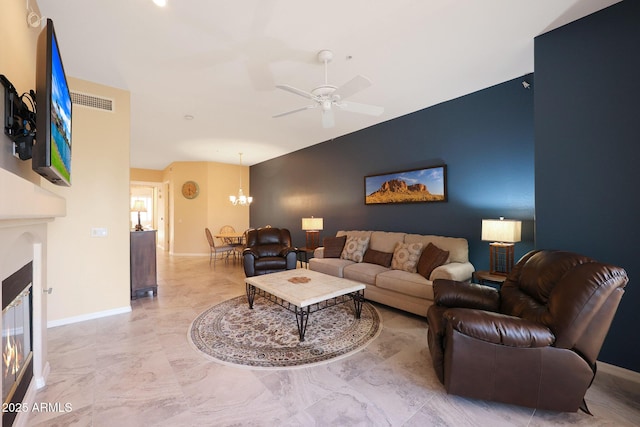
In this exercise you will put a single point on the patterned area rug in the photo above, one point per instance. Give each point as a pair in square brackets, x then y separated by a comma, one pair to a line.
[267, 336]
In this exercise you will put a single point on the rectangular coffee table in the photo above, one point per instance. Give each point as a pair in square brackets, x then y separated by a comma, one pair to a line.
[303, 292]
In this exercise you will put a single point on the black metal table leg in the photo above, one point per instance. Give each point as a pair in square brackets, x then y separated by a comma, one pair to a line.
[251, 293]
[302, 317]
[358, 300]
[303, 313]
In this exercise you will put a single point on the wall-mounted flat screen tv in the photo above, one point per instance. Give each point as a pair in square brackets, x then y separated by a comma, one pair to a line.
[52, 148]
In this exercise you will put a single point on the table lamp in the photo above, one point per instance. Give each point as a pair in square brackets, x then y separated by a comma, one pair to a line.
[312, 226]
[139, 206]
[503, 233]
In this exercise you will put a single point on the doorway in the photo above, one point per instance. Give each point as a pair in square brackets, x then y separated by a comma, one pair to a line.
[153, 196]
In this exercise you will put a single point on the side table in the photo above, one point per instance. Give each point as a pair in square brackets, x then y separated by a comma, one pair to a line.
[484, 277]
[143, 263]
[303, 255]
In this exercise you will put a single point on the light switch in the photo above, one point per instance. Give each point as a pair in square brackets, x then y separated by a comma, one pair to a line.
[98, 232]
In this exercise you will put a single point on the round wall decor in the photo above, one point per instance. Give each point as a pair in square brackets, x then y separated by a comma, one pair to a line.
[190, 189]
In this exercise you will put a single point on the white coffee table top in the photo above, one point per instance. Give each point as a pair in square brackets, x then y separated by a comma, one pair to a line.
[320, 287]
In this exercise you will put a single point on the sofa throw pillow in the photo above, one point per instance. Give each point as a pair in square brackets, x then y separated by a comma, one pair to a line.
[354, 248]
[431, 257]
[406, 256]
[376, 257]
[333, 246]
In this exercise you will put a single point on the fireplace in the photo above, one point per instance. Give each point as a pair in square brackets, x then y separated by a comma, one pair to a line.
[25, 210]
[17, 338]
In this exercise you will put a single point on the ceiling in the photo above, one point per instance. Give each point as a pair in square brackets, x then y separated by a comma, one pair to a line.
[219, 61]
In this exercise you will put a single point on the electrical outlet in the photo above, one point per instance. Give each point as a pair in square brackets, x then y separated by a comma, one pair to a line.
[99, 232]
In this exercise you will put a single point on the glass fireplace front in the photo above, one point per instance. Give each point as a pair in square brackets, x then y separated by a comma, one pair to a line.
[16, 341]
[17, 336]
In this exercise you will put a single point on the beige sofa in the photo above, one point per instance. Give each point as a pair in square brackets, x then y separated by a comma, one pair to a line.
[408, 291]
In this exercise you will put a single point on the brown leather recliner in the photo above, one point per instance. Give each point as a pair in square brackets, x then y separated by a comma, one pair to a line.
[535, 342]
[268, 250]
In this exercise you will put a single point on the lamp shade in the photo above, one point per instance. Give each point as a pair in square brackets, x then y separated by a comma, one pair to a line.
[139, 206]
[501, 230]
[312, 224]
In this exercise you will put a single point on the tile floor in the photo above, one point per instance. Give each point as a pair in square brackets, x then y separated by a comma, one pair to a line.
[138, 369]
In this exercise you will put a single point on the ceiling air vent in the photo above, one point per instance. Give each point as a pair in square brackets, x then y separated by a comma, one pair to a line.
[92, 101]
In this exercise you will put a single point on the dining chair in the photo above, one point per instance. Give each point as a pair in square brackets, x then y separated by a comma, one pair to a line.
[216, 250]
[235, 243]
[227, 229]
[242, 244]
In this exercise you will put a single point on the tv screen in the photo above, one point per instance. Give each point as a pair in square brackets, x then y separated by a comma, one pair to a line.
[52, 148]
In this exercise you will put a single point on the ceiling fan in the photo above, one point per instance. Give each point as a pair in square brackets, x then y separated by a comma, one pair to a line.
[328, 97]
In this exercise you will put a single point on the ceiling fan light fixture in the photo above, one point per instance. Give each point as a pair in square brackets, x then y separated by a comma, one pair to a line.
[326, 96]
[325, 56]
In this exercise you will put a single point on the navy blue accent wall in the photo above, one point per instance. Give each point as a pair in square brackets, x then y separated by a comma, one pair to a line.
[587, 130]
[485, 139]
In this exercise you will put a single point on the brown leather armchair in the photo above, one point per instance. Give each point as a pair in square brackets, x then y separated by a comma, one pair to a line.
[535, 341]
[268, 250]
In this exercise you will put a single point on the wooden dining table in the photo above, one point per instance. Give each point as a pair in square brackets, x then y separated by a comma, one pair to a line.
[234, 240]
[230, 238]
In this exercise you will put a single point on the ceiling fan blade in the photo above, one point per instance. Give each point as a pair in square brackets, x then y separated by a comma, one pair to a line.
[352, 87]
[308, 107]
[356, 107]
[328, 119]
[296, 91]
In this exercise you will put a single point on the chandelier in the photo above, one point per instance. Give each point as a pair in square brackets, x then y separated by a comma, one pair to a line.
[240, 199]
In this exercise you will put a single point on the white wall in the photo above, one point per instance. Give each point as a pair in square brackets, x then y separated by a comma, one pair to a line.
[18, 64]
[189, 217]
[90, 275]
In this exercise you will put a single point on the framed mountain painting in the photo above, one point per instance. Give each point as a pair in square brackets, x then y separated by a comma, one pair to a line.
[411, 186]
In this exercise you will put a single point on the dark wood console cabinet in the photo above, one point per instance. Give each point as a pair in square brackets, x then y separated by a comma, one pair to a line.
[143, 263]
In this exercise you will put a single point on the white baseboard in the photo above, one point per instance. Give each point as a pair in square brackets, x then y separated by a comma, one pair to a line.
[89, 316]
[188, 254]
[627, 374]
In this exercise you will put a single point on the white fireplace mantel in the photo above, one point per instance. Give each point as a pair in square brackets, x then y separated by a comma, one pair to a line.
[22, 200]
[25, 210]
